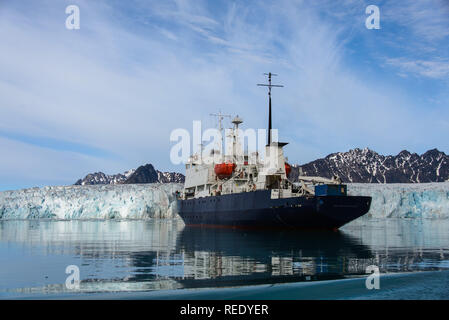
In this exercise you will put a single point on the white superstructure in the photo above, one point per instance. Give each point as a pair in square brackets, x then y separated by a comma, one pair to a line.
[236, 171]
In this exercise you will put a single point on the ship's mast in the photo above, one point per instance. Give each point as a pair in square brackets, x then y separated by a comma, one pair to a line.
[220, 117]
[269, 85]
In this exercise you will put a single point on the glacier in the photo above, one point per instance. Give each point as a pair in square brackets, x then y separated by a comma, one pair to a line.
[405, 200]
[127, 201]
[157, 200]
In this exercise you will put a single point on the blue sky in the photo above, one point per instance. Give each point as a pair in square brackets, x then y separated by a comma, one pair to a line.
[106, 97]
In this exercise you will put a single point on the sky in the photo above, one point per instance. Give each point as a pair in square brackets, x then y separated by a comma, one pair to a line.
[105, 97]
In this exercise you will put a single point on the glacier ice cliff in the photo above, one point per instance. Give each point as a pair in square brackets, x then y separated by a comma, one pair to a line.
[141, 201]
[405, 200]
[132, 201]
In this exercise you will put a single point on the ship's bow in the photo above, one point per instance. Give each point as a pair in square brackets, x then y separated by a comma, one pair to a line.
[339, 211]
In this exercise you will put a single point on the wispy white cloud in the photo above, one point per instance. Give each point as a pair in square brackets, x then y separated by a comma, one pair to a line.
[418, 37]
[432, 69]
[170, 35]
[426, 19]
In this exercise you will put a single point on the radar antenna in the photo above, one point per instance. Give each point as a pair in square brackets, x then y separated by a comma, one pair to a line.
[269, 85]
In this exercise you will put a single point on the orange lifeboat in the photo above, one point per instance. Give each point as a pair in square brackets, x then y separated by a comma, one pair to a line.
[288, 169]
[224, 170]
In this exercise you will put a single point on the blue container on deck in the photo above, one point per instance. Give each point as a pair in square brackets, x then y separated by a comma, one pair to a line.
[330, 190]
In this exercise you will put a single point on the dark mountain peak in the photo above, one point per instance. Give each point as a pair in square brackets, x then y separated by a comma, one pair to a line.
[143, 174]
[433, 152]
[354, 151]
[366, 166]
[356, 155]
[146, 167]
[369, 153]
[358, 151]
[404, 153]
[94, 178]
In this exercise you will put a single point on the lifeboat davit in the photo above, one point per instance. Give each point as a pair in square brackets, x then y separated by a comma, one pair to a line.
[288, 169]
[224, 170]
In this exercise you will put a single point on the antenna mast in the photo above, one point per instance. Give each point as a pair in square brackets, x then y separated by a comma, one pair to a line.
[220, 118]
[269, 85]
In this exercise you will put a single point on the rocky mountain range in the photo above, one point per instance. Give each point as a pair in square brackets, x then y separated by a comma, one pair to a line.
[143, 174]
[367, 166]
[356, 165]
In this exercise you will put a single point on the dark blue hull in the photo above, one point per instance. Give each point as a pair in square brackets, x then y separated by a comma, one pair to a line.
[257, 209]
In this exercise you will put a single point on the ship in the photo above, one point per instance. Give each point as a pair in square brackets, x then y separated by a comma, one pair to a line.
[238, 189]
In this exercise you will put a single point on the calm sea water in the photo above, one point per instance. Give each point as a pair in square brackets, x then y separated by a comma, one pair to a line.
[123, 256]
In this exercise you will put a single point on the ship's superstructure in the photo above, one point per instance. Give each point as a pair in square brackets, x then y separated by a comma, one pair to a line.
[237, 188]
[213, 174]
[236, 171]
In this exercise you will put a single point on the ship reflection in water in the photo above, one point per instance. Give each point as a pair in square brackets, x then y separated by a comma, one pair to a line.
[222, 257]
[155, 255]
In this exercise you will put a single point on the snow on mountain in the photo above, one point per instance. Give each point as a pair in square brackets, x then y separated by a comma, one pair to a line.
[121, 201]
[356, 165]
[143, 174]
[101, 178]
[367, 166]
[167, 177]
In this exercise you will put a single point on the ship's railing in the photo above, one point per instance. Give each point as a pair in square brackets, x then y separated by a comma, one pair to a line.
[318, 180]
